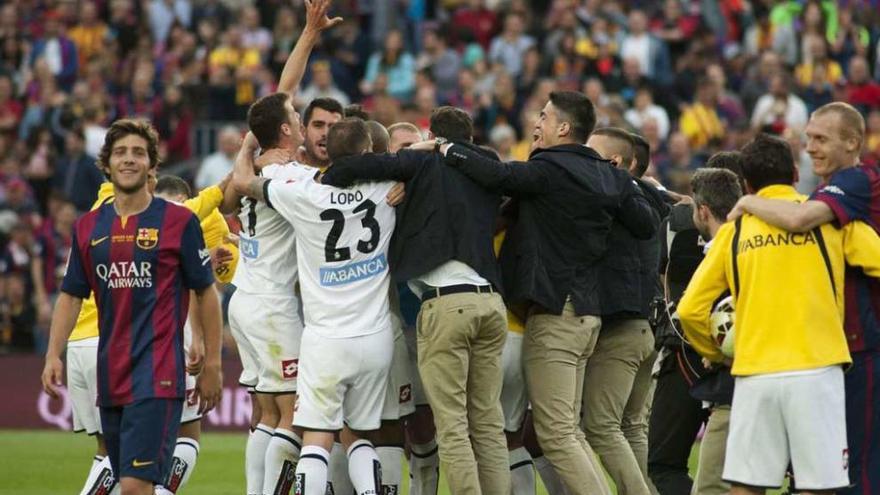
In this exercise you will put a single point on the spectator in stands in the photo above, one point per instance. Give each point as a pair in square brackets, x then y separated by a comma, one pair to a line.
[758, 80]
[165, 13]
[254, 35]
[861, 91]
[321, 86]
[90, 34]
[730, 108]
[234, 65]
[216, 166]
[76, 177]
[650, 51]
[18, 316]
[818, 58]
[678, 164]
[509, 47]
[11, 109]
[396, 64]
[442, 61]
[57, 50]
[645, 109]
[700, 122]
[779, 108]
[478, 20]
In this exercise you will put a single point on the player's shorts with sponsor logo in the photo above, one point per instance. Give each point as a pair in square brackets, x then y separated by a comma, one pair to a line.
[268, 330]
[513, 388]
[140, 437]
[797, 417]
[343, 381]
[82, 384]
[399, 401]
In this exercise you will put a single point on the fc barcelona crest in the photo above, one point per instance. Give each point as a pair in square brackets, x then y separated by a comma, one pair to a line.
[147, 238]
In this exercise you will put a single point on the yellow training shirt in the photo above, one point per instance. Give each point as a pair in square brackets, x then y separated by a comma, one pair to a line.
[203, 205]
[789, 315]
[513, 323]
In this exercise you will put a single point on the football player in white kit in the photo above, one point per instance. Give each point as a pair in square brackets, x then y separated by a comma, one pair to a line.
[342, 244]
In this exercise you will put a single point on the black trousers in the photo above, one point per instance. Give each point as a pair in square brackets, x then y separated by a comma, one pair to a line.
[675, 420]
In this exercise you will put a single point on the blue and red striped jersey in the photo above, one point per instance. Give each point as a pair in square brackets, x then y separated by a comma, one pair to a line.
[854, 194]
[141, 270]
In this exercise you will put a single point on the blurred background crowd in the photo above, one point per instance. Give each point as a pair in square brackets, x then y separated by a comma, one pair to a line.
[692, 76]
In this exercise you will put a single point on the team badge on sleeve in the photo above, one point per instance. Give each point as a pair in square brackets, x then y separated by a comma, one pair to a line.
[147, 238]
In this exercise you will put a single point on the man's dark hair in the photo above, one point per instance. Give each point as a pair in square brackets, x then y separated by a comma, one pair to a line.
[452, 123]
[348, 137]
[265, 118]
[767, 161]
[642, 151]
[728, 160]
[173, 185]
[379, 135]
[356, 110]
[126, 127]
[326, 104]
[623, 140]
[717, 188]
[576, 109]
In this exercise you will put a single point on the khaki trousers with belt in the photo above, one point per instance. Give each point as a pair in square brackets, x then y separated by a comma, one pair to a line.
[712, 451]
[555, 353]
[460, 340]
[615, 412]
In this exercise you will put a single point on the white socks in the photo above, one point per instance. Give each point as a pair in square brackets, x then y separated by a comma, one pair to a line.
[391, 459]
[364, 468]
[100, 479]
[522, 472]
[186, 452]
[255, 458]
[424, 469]
[281, 456]
[551, 479]
[311, 471]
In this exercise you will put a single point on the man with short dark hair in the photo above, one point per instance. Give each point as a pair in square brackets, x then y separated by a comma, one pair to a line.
[318, 117]
[443, 247]
[617, 378]
[789, 405]
[568, 197]
[76, 175]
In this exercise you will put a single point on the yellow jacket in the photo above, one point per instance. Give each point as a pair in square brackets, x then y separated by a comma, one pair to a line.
[205, 208]
[789, 309]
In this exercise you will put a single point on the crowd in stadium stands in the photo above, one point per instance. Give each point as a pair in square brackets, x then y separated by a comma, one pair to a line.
[693, 77]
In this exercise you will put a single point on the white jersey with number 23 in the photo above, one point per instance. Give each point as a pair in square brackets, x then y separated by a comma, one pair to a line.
[342, 253]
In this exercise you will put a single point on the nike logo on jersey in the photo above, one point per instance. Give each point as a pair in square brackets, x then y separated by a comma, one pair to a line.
[136, 463]
[95, 242]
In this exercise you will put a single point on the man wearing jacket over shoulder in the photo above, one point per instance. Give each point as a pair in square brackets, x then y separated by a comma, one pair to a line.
[568, 197]
[442, 246]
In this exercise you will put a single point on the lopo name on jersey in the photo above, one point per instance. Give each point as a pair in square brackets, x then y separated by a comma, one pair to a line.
[346, 197]
[126, 274]
[353, 272]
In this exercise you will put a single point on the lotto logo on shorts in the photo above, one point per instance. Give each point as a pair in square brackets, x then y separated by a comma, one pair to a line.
[405, 393]
[289, 368]
[191, 397]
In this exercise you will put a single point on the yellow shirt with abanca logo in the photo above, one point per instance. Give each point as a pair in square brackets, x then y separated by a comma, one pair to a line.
[214, 230]
[789, 304]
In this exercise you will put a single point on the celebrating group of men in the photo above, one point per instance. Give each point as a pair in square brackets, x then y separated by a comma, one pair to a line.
[538, 285]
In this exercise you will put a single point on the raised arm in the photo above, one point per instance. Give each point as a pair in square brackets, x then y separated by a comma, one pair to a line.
[401, 166]
[316, 22]
[793, 217]
[511, 178]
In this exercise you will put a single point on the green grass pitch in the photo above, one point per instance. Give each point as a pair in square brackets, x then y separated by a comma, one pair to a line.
[53, 462]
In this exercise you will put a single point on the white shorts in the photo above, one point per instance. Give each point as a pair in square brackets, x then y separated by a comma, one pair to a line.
[82, 385]
[798, 417]
[191, 399]
[410, 336]
[343, 381]
[398, 394]
[268, 330]
[513, 388]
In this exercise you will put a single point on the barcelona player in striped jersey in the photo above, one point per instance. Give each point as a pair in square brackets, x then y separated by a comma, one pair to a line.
[140, 256]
